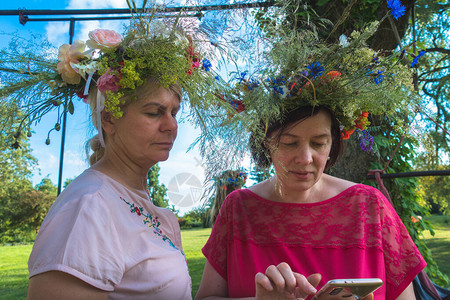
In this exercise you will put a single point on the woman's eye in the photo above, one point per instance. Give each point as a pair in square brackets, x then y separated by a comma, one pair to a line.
[318, 145]
[292, 144]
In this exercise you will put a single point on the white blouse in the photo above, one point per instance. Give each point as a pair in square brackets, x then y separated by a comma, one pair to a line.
[114, 239]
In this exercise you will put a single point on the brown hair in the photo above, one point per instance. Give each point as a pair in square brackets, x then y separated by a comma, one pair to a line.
[145, 90]
[258, 141]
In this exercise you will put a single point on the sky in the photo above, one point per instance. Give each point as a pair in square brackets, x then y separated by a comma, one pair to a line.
[182, 173]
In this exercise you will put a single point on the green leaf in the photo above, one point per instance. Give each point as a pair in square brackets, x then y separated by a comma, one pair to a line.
[322, 2]
[70, 107]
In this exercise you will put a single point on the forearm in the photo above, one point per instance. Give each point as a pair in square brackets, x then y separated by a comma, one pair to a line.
[408, 293]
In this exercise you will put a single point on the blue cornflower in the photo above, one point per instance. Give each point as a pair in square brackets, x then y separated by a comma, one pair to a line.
[279, 80]
[253, 83]
[316, 69]
[379, 78]
[376, 60]
[242, 77]
[206, 64]
[416, 59]
[275, 81]
[396, 7]
[278, 89]
[216, 77]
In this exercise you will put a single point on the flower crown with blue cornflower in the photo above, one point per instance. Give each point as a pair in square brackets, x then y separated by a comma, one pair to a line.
[347, 77]
[233, 178]
[162, 50]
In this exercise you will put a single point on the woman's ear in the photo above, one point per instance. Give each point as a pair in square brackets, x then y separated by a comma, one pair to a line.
[108, 122]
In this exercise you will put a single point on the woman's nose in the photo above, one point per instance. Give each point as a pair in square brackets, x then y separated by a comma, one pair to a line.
[303, 156]
[169, 123]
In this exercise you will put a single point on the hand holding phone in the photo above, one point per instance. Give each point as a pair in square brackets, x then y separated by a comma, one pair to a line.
[348, 289]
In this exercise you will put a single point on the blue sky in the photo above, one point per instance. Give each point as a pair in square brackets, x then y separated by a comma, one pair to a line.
[79, 129]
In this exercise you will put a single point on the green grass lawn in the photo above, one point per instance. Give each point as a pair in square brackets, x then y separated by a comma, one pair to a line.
[14, 271]
[439, 244]
[193, 241]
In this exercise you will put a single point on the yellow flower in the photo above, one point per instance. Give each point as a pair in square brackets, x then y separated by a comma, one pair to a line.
[68, 56]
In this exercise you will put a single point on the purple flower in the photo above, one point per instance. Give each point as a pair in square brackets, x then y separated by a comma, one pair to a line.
[416, 59]
[396, 7]
[366, 141]
[304, 73]
[316, 69]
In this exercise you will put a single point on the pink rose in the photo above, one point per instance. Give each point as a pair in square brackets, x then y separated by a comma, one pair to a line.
[69, 55]
[103, 38]
[108, 82]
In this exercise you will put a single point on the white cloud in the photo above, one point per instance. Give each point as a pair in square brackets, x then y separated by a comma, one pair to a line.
[74, 159]
[58, 32]
[51, 161]
[182, 162]
[91, 4]
[48, 166]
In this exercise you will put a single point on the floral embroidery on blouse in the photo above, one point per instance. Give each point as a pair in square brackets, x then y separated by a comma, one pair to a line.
[151, 222]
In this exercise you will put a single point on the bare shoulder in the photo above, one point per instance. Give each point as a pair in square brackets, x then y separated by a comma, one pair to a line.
[337, 185]
[261, 189]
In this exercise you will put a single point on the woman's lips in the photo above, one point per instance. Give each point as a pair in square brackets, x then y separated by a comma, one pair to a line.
[301, 175]
[167, 145]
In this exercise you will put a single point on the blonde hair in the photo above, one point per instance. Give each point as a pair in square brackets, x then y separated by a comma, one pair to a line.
[144, 91]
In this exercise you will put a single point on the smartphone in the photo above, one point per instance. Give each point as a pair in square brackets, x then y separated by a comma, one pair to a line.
[348, 289]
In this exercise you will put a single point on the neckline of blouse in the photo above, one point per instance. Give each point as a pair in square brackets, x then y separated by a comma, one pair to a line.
[141, 194]
[340, 195]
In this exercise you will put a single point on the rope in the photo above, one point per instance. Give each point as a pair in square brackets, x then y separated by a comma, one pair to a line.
[377, 173]
[381, 186]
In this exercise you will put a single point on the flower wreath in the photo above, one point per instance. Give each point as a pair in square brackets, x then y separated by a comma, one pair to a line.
[114, 64]
[347, 77]
[233, 178]
[122, 65]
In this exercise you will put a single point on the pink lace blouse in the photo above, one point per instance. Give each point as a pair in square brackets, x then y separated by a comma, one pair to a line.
[355, 234]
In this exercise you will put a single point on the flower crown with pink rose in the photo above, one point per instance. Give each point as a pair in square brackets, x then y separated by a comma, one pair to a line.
[118, 66]
[115, 65]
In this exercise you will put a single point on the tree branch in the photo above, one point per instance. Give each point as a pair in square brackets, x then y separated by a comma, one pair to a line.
[438, 49]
